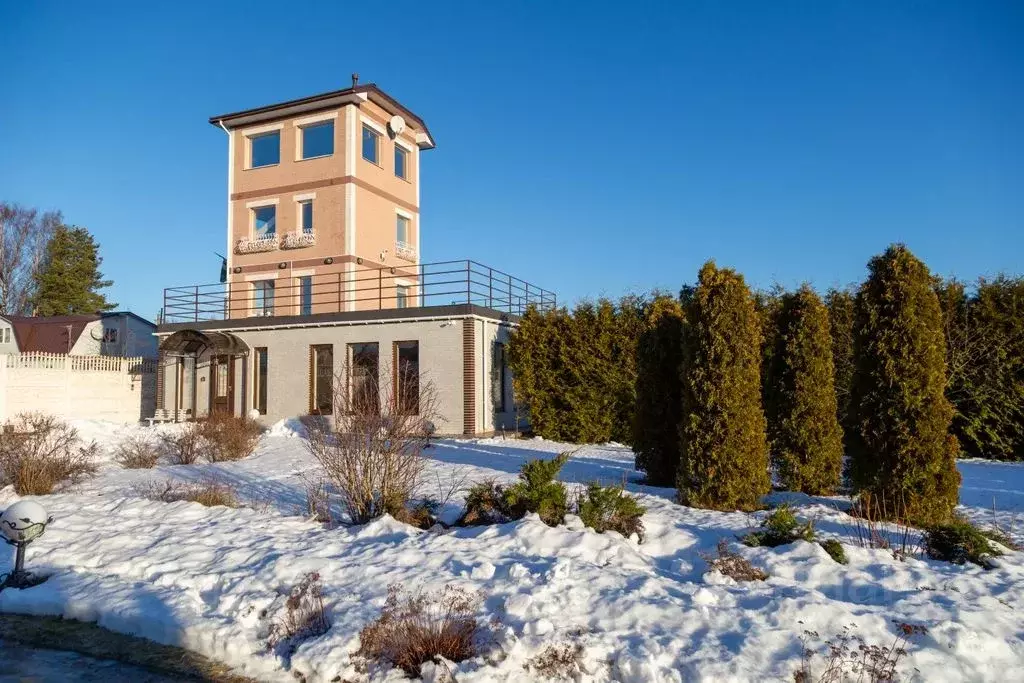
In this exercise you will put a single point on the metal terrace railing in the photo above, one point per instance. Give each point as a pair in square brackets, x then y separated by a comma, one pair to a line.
[364, 289]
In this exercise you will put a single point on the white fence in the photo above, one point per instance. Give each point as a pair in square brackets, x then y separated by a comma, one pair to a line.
[77, 387]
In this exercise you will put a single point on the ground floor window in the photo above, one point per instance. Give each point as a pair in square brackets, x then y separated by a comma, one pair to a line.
[364, 387]
[260, 380]
[499, 373]
[407, 377]
[321, 376]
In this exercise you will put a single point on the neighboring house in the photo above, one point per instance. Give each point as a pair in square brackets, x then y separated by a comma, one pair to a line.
[8, 340]
[102, 334]
[324, 273]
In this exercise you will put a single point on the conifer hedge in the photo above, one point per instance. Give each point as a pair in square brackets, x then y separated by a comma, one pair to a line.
[902, 455]
[800, 398]
[840, 317]
[658, 408]
[724, 449]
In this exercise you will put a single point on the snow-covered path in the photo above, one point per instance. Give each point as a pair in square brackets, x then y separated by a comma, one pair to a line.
[201, 578]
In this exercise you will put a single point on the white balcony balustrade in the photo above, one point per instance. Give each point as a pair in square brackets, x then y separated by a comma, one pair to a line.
[406, 251]
[256, 245]
[298, 240]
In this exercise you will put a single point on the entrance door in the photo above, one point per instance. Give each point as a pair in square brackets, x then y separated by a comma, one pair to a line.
[222, 385]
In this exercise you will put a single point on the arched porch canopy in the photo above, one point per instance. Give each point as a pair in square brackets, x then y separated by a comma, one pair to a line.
[194, 343]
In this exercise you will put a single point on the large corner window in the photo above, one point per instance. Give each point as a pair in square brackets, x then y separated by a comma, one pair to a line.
[321, 379]
[306, 216]
[264, 221]
[407, 377]
[364, 388]
[259, 389]
[263, 297]
[401, 162]
[318, 140]
[306, 295]
[499, 374]
[265, 149]
[371, 144]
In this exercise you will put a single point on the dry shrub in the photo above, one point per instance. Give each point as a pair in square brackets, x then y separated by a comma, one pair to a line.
[38, 452]
[732, 564]
[137, 453]
[557, 661]
[878, 523]
[372, 454]
[318, 500]
[304, 617]
[186, 445]
[229, 438]
[849, 658]
[209, 493]
[414, 628]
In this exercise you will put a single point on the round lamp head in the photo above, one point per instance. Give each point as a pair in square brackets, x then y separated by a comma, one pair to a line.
[23, 521]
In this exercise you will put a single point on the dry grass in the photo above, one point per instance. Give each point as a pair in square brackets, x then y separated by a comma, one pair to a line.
[318, 500]
[137, 453]
[186, 445]
[304, 617]
[209, 493]
[229, 438]
[732, 564]
[849, 658]
[38, 452]
[881, 525]
[557, 661]
[414, 628]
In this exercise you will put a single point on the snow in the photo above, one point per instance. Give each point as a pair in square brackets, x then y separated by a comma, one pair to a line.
[203, 578]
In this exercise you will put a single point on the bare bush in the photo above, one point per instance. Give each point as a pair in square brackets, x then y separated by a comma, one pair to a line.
[878, 523]
[849, 658]
[209, 493]
[228, 437]
[304, 617]
[372, 454]
[137, 453]
[186, 445]
[414, 628]
[732, 564]
[560, 661]
[318, 500]
[38, 452]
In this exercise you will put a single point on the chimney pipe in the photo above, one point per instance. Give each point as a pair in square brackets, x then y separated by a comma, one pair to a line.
[355, 80]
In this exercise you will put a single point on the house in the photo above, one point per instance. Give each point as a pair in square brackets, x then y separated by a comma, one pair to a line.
[122, 333]
[324, 275]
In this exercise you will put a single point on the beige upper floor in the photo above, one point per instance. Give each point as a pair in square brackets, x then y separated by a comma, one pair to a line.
[348, 162]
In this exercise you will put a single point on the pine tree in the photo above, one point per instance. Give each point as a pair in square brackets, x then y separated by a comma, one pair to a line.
[724, 449]
[902, 455]
[658, 408]
[800, 398]
[69, 279]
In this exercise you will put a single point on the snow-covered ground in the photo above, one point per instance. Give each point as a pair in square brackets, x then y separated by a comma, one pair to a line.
[201, 578]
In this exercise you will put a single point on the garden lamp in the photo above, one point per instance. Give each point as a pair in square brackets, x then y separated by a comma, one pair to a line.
[20, 524]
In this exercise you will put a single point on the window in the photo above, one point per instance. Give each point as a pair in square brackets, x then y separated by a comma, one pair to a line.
[402, 230]
[265, 149]
[109, 335]
[371, 141]
[499, 373]
[321, 379]
[364, 390]
[306, 216]
[318, 140]
[402, 296]
[5, 335]
[401, 156]
[263, 297]
[306, 295]
[407, 377]
[264, 221]
[259, 389]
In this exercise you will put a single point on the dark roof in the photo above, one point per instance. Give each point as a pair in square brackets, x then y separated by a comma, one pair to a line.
[312, 103]
[55, 334]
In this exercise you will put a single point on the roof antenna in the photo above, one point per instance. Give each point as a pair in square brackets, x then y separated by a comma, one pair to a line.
[355, 80]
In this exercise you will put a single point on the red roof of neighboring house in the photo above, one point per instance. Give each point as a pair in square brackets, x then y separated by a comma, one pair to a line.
[55, 334]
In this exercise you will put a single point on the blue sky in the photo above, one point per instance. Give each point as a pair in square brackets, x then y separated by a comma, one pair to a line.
[593, 149]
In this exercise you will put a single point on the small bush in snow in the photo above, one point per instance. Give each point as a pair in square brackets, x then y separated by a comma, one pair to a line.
[229, 438]
[560, 662]
[849, 658]
[604, 508]
[304, 617]
[422, 514]
[137, 453]
[958, 542]
[732, 564]
[208, 493]
[38, 452]
[835, 550]
[994, 533]
[414, 628]
[538, 491]
[485, 504]
[186, 445]
[779, 528]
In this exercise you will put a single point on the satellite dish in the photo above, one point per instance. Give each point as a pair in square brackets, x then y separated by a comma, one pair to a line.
[396, 125]
[96, 333]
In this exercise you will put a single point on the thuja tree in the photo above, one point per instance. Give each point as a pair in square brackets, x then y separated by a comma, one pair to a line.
[536, 357]
[840, 317]
[724, 449]
[658, 392]
[800, 398]
[902, 453]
